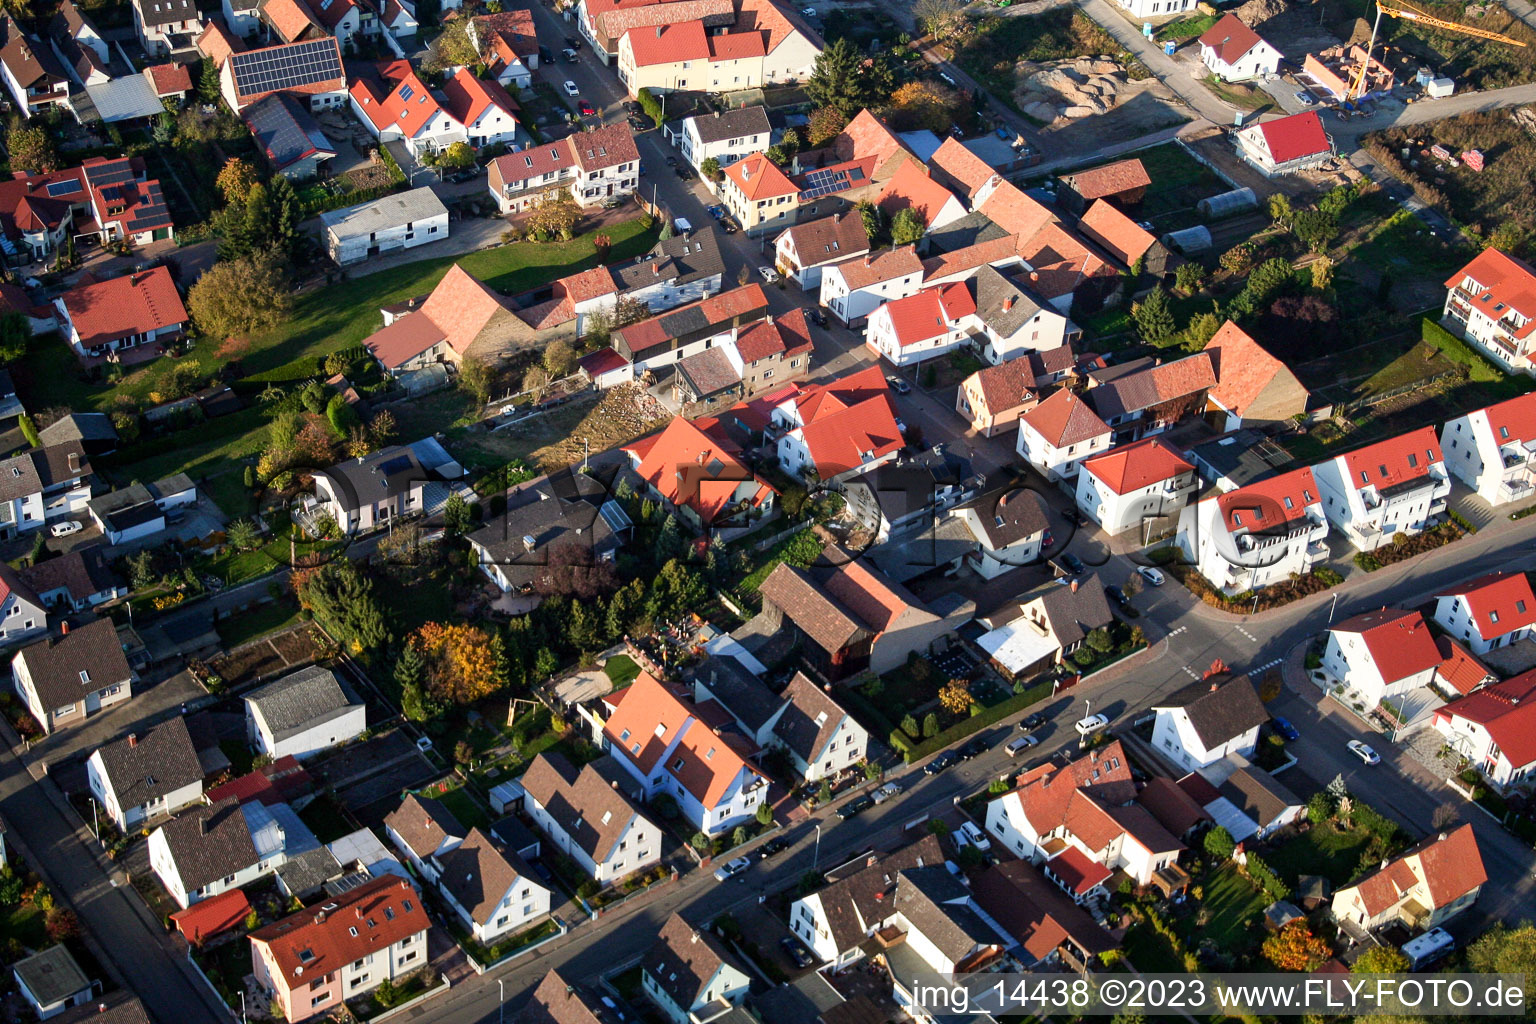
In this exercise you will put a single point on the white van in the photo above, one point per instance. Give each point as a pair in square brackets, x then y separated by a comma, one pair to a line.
[1428, 948]
[1092, 724]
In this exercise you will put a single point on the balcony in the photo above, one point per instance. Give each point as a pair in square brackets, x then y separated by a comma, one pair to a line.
[1317, 549]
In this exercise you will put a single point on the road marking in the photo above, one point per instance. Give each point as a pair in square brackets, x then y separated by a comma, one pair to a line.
[1247, 634]
[1266, 666]
[1190, 672]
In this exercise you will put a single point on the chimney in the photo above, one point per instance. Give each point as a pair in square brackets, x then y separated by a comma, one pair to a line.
[63, 628]
[1007, 303]
[1215, 687]
[320, 917]
[837, 217]
[868, 258]
[1074, 586]
[1034, 275]
[658, 31]
[133, 739]
[202, 825]
[717, 113]
[74, 462]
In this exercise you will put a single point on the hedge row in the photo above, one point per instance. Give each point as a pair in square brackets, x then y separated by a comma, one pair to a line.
[965, 727]
[1265, 878]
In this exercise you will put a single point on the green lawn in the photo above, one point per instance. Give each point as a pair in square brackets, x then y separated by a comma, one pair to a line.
[800, 551]
[621, 670]
[286, 544]
[1186, 28]
[467, 807]
[1246, 97]
[1419, 363]
[269, 618]
[1324, 850]
[1234, 903]
[1151, 952]
[24, 923]
[229, 492]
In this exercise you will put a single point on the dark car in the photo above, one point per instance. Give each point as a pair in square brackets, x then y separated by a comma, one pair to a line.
[574, 42]
[1074, 564]
[729, 226]
[899, 385]
[778, 844]
[1116, 595]
[853, 808]
[975, 748]
[1284, 727]
[462, 176]
[683, 173]
[945, 760]
[796, 951]
[639, 124]
[818, 317]
[546, 55]
[1032, 722]
[1072, 515]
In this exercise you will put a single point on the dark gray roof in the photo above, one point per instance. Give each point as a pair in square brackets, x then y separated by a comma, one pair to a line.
[1147, 386]
[564, 508]
[1010, 516]
[301, 700]
[79, 426]
[855, 901]
[1258, 794]
[731, 124]
[116, 1008]
[385, 474]
[749, 700]
[285, 130]
[1074, 609]
[52, 975]
[908, 485]
[683, 959]
[935, 903]
[592, 813]
[1220, 708]
[81, 572]
[309, 871]
[165, 12]
[809, 720]
[143, 767]
[1003, 303]
[209, 843]
[478, 872]
[975, 227]
[709, 371]
[56, 664]
[19, 477]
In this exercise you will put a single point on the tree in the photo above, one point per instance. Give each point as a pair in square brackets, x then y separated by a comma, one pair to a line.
[559, 358]
[1219, 844]
[452, 48]
[455, 514]
[248, 295]
[1280, 209]
[1188, 277]
[61, 924]
[941, 19]
[571, 570]
[1381, 960]
[874, 222]
[554, 213]
[699, 841]
[1505, 950]
[208, 81]
[163, 133]
[1322, 273]
[1314, 229]
[476, 378]
[243, 534]
[825, 125]
[776, 156]
[824, 792]
[459, 661]
[925, 104]
[1202, 327]
[930, 725]
[710, 168]
[1238, 259]
[535, 380]
[1319, 807]
[236, 180]
[764, 814]
[31, 148]
[1154, 320]
[342, 601]
[907, 227]
[955, 697]
[456, 157]
[29, 430]
[284, 214]
[739, 836]
[15, 333]
[1295, 948]
[909, 725]
[848, 81]
[382, 427]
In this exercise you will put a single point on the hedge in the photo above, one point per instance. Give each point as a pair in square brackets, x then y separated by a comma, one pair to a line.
[988, 716]
[1265, 878]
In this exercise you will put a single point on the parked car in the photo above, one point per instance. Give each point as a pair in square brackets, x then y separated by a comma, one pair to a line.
[899, 385]
[769, 274]
[683, 173]
[1116, 595]
[1074, 564]
[1284, 727]
[65, 528]
[731, 868]
[796, 951]
[1304, 98]
[613, 202]
[1364, 752]
[1151, 575]
[570, 88]
[855, 807]
[885, 792]
[587, 109]
[975, 836]
[1017, 746]
[944, 761]
[809, 12]
[778, 844]
[729, 226]
[717, 211]
[1032, 722]
[574, 42]
[975, 748]
[546, 55]
[818, 316]
[570, 57]
[1092, 724]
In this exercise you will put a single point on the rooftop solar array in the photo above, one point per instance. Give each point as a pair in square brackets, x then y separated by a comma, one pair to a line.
[284, 127]
[821, 183]
[63, 188]
[286, 67]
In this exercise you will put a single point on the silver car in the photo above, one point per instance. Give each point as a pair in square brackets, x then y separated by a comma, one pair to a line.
[731, 868]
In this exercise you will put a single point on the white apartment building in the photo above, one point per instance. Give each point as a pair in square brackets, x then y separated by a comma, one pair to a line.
[1491, 302]
[1394, 486]
[1493, 450]
[1257, 535]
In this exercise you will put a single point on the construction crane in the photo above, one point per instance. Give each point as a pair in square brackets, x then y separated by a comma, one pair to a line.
[1407, 13]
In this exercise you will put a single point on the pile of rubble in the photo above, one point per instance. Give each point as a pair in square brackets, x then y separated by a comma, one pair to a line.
[1256, 12]
[1081, 87]
[1525, 117]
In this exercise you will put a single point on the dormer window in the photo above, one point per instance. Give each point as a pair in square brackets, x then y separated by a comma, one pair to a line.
[1504, 433]
[85, 677]
[677, 765]
[1413, 460]
[1289, 504]
[624, 736]
[661, 729]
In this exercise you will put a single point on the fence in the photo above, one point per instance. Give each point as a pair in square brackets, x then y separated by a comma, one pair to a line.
[768, 542]
[560, 929]
[596, 912]
[439, 989]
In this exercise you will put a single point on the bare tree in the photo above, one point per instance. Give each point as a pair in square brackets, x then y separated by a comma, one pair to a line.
[942, 19]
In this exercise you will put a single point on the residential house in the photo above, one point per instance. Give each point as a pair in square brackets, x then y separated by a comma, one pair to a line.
[1041, 627]
[1133, 486]
[1491, 303]
[1459, 673]
[1258, 535]
[558, 1001]
[913, 188]
[702, 46]
[1012, 322]
[1059, 433]
[79, 45]
[853, 617]
[1250, 803]
[1494, 728]
[585, 815]
[922, 326]
[366, 493]
[1210, 718]
[314, 960]
[1236, 53]
[509, 39]
[76, 581]
[1011, 530]
[242, 16]
[208, 850]
[833, 430]
[1048, 927]
[668, 745]
[460, 312]
[311, 70]
[604, 22]
[33, 76]
[302, 714]
[1143, 9]
[854, 288]
[995, 397]
[491, 889]
[568, 512]
[1490, 449]
[1123, 183]
[138, 778]
[1381, 654]
[421, 828]
[689, 975]
[396, 105]
[23, 613]
[170, 81]
[1088, 806]
[64, 678]
[100, 199]
[166, 26]
[762, 356]
[699, 477]
[591, 166]
[940, 929]
[1283, 145]
[51, 982]
[483, 106]
[288, 135]
[1146, 396]
[1420, 889]
[116, 1008]
[1127, 241]
[43, 484]
[401, 221]
[1399, 485]
[894, 499]
[1488, 612]
[837, 921]
[138, 510]
[802, 252]
[1253, 388]
[122, 320]
[761, 197]
[687, 330]
[724, 136]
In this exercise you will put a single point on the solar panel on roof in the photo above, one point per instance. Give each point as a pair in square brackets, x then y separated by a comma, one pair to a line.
[395, 465]
[63, 188]
[286, 67]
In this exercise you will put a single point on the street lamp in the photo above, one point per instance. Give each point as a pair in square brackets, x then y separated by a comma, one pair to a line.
[1332, 607]
[816, 856]
[501, 1009]
[242, 1006]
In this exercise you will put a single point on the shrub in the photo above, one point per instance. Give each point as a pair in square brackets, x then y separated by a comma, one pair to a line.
[1219, 843]
[1264, 876]
[930, 725]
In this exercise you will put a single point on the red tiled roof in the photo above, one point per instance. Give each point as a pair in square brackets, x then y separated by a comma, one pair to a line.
[875, 267]
[1243, 368]
[312, 943]
[610, 24]
[767, 17]
[912, 187]
[462, 307]
[1291, 138]
[756, 177]
[1266, 503]
[737, 46]
[1513, 419]
[410, 105]
[1064, 419]
[1061, 260]
[1505, 595]
[1046, 794]
[291, 19]
[847, 418]
[120, 306]
[1460, 670]
[587, 285]
[1016, 213]
[279, 782]
[1125, 240]
[689, 467]
[409, 336]
[1507, 711]
[1077, 871]
[1399, 642]
[873, 598]
[930, 313]
[533, 162]
[217, 44]
[1505, 284]
[667, 44]
[608, 146]
[1450, 866]
[1230, 38]
[966, 169]
[1006, 386]
[1110, 179]
[169, 79]
[1397, 460]
[788, 334]
[997, 250]
[827, 239]
[467, 98]
[645, 724]
[515, 28]
[213, 916]
[867, 136]
[1130, 467]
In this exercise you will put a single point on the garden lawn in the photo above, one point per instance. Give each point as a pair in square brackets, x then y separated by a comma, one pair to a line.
[466, 807]
[1323, 850]
[621, 670]
[1234, 903]
[1151, 952]
[269, 618]
[799, 551]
